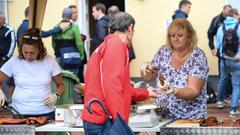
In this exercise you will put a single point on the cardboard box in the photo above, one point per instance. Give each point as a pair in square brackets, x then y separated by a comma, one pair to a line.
[72, 114]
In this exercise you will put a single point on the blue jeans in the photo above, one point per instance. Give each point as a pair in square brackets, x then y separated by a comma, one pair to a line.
[229, 68]
[92, 129]
[96, 129]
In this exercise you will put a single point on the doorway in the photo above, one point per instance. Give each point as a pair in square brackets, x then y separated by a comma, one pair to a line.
[107, 3]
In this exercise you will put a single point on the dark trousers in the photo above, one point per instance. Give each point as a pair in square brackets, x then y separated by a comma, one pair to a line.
[80, 73]
[93, 129]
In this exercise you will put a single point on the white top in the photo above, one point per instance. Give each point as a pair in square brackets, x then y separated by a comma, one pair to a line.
[33, 83]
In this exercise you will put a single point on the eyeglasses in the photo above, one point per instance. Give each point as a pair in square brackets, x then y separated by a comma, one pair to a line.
[31, 37]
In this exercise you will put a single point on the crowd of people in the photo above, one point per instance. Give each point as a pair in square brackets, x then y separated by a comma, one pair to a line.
[180, 62]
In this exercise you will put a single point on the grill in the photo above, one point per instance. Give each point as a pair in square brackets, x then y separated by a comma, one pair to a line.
[17, 130]
[200, 131]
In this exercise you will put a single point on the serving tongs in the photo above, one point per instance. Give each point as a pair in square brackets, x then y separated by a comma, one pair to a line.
[15, 113]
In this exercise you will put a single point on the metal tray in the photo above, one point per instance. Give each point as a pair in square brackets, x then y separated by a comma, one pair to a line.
[17, 130]
[200, 131]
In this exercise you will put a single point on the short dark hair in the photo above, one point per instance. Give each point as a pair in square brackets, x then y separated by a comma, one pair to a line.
[112, 10]
[100, 6]
[120, 21]
[233, 12]
[184, 2]
[72, 6]
[227, 6]
[26, 12]
[32, 37]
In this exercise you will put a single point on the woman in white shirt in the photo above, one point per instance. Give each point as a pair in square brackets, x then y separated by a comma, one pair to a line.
[33, 70]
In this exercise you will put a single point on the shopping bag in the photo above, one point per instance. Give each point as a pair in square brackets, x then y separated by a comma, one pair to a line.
[112, 127]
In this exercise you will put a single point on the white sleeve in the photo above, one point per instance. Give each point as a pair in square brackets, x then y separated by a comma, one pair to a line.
[55, 67]
[7, 68]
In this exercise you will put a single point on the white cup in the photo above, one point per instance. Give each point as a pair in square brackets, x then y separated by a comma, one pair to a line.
[60, 116]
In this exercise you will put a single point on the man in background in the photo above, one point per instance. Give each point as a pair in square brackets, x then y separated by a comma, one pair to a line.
[74, 19]
[101, 28]
[7, 40]
[217, 21]
[112, 10]
[69, 37]
[183, 11]
[78, 97]
[74, 16]
[7, 46]
[229, 61]
[25, 24]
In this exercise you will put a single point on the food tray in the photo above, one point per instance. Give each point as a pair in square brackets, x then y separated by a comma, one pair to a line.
[17, 130]
[200, 131]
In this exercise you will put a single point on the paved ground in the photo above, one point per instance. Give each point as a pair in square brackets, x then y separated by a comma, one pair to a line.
[219, 113]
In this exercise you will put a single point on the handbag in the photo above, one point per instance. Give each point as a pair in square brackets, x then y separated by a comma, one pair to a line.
[70, 57]
[111, 127]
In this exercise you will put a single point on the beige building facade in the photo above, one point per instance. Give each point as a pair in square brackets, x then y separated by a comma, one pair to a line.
[150, 16]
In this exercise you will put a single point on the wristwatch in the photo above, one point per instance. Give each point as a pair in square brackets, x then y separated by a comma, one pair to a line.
[58, 95]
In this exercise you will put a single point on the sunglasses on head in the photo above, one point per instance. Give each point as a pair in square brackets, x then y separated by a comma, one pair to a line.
[30, 37]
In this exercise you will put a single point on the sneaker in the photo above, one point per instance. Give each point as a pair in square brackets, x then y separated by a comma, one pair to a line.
[234, 113]
[220, 104]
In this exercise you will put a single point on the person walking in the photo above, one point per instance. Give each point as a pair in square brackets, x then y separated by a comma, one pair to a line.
[183, 11]
[229, 64]
[216, 22]
[101, 27]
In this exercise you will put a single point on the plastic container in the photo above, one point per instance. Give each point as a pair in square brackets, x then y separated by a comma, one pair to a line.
[70, 80]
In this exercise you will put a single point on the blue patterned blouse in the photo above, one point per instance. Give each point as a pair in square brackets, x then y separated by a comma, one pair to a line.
[196, 65]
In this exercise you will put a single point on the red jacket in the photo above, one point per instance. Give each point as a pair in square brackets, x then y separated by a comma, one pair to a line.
[117, 93]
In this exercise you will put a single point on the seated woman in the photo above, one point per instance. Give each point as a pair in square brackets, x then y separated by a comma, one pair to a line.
[183, 68]
[33, 70]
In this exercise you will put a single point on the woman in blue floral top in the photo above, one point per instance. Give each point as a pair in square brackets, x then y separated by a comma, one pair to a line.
[184, 67]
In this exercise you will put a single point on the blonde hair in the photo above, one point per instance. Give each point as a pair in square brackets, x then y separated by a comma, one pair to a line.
[182, 24]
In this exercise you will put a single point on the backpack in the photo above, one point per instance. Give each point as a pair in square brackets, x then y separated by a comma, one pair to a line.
[230, 41]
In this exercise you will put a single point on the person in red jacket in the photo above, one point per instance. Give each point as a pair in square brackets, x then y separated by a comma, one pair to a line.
[108, 76]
